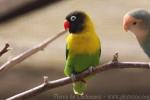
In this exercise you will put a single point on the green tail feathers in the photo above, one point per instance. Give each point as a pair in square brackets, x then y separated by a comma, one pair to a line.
[79, 87]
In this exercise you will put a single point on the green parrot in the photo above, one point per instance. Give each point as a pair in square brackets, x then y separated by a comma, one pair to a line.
[138, 22]
[83, 48]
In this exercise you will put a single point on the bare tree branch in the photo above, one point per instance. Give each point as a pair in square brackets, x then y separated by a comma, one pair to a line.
[4, 50]
[48, 85]
[10, 63]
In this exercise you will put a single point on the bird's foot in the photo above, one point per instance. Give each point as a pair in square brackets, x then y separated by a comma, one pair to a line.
[73, 77]
[91, 69]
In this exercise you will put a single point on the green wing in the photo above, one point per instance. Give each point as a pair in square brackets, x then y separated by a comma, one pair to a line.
[68, 70]
[67, 51]
[99, 52]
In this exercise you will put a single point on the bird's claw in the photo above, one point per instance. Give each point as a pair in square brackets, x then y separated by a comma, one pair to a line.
[91, 69]
[73, 77]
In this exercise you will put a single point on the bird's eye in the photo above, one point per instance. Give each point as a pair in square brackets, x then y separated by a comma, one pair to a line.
[134, 23]
[73, 18]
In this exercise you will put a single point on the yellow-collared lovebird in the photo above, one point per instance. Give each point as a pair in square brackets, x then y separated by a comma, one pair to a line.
[138, 22]
[83, 47]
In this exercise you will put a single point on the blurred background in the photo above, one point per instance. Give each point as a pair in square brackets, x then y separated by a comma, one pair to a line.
[25, 23]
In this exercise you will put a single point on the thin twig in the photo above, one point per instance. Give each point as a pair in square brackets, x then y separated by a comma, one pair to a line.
[10, 63]
[45, 79]
[66, 80]
[4, 50]
[115, 57]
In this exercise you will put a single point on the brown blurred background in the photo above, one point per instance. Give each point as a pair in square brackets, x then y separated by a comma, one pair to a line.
[25, 23]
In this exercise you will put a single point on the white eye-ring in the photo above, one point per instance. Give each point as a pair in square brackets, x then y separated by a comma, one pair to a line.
[73, 18]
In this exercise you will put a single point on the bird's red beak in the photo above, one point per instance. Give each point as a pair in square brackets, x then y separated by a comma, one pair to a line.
[127, 21]
[66, 25]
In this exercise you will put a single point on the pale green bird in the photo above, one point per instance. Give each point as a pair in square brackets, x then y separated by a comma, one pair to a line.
[83, 47]
[138, 22]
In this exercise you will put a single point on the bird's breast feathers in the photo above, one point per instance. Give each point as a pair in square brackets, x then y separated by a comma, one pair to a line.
[83, 43]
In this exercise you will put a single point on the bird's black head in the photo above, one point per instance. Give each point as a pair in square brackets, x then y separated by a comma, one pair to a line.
[75, 21]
